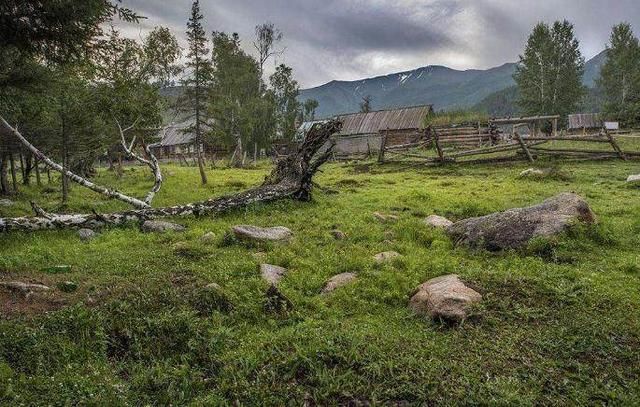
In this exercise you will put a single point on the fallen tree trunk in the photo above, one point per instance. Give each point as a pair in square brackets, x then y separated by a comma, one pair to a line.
[74, 177]
[291, 178]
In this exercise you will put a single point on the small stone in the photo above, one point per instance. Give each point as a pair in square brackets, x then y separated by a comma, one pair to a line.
[338, 281]
[86, 234]
[444, 297]
[160, 226]
[531, 172]
[634, 178]
[385, 257]
[208, 237]
[338, 234]
[258, 234]
[438, 222]
[272, 274]
[67, 286]
[6, 202]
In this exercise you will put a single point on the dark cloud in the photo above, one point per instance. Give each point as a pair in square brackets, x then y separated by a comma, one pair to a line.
[350, 39]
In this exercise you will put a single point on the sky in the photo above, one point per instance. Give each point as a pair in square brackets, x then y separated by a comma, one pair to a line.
[327, 40]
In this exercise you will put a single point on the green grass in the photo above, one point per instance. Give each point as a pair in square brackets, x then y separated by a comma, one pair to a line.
[559, 324]
[455, 117]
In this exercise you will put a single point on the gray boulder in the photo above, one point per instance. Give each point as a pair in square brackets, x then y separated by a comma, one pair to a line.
[258, 234]
[438, 222]
[86, 234]
[634, 179]
[272, 274]
[513, 228]
[444, 297]
[160, 226]
[338, 281]
[6, 202]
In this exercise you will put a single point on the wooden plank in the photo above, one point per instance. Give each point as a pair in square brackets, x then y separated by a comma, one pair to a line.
[524, 147]
[615, 146]
[383, 145]
[437, 143]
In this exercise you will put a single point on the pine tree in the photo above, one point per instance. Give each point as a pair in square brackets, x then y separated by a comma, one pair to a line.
[197, 85]
[549, 74]
[620, 76]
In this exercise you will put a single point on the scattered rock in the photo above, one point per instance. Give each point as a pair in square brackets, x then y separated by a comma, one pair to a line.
[161, 226]
[272, 274]
[86, 234]
[6, 202]
[532, 172]
[385, 257]
[67, 286]
[438, 222]
[444, 297]
[258, 234]
[338, 281]
[338, 234]
[276, 301]
[515, 227]
[634, 179]
[208, 237]
[23, 288]
[385, 217]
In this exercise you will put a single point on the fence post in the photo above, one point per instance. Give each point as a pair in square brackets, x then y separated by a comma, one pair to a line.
[383, 146]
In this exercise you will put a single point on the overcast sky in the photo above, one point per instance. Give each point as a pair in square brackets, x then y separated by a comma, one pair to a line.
[352, 39]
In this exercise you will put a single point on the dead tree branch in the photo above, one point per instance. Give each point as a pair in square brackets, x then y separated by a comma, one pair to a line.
[4, 126]
[152, 162]
[291, 178]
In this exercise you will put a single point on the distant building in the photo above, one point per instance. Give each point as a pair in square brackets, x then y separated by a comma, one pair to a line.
[177, 141]
[362, 132]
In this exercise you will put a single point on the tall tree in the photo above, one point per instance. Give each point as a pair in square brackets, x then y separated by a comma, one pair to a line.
[549, 74]
[620, 76]
[285, 90]
[198, 83]
[237, 105]
[267, 36]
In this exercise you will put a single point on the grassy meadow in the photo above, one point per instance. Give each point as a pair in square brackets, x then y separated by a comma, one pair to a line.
[559, 323]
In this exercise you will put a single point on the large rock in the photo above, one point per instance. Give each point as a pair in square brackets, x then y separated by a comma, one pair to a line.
[634, 179]
[161, 226]
[272, 274]
[444, 297]
[258, 234]
[6, 202]
[438, 222]
[515, 227]
[338, 281]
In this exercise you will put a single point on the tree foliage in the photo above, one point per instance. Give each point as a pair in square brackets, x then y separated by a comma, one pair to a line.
[286, 91]
[619, 79]
[549, 74]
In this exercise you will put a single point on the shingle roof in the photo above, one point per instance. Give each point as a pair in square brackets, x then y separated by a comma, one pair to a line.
[395, 119]
[175, 134]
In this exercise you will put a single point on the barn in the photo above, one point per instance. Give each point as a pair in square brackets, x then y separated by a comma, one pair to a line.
[362, 132]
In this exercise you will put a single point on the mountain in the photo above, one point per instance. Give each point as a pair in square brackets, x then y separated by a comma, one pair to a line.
[443, 87]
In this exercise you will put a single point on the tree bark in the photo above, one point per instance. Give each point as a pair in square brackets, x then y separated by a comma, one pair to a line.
[4, 126]
[4, 187]
[291, 178]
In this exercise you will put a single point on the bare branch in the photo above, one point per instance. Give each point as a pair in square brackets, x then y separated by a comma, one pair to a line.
[152, 162]
[72, 176]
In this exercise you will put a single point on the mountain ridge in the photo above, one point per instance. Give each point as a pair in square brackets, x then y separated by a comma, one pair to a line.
[443, 87]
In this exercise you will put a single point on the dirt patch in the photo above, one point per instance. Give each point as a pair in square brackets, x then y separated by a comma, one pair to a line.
[16, 303]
